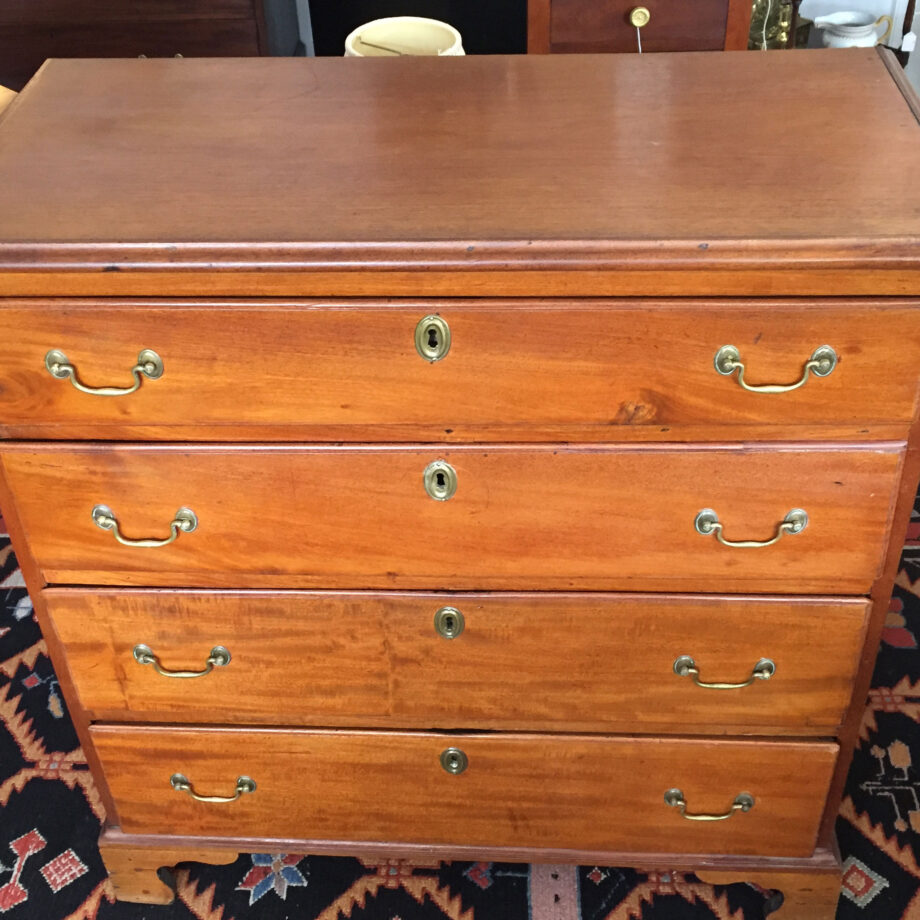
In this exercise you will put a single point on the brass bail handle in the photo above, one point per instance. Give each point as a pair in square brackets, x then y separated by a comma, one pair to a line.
[149, 365]
[821, 363]
[218, 658]
[707, 524]
[744, 801]
[244, 784]
[685, 666]
[184, 521]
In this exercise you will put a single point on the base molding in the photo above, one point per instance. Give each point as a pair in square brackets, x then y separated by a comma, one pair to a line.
[802, 888]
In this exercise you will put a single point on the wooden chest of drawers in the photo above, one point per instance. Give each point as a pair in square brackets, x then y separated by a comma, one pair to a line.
[546, 462]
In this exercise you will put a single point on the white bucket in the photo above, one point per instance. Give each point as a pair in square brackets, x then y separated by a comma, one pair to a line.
[404, 35]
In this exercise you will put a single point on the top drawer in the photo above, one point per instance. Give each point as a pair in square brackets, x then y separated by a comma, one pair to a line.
[514, 371]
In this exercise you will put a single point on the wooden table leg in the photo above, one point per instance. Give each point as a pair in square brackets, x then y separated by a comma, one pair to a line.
[133, 869]
[805, 895]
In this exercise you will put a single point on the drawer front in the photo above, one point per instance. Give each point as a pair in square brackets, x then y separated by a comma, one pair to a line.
[674, 25]
[524, 371]
[567, 792]
[529, 519]
[580, 663]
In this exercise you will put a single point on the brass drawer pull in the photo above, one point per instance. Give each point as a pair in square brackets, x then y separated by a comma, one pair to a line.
[149, 364]
[707, 523]
[822, 361]
[744, 801]
[219, 658]
[685, 666]
[243, 785]
[185, 521]
[454, 761]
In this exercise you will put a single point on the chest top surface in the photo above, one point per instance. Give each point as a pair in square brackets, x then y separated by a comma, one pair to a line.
[536, 161]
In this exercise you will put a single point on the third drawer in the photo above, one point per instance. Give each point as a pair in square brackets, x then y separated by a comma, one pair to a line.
[484, 661]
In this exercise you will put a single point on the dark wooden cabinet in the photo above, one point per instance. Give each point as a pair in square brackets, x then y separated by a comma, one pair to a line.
[33, 30]
[673, 25]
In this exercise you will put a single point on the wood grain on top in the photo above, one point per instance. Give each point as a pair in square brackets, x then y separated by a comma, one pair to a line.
[673, 161]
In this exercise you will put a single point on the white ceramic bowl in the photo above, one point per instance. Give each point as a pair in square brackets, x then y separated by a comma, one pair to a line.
[404, 35]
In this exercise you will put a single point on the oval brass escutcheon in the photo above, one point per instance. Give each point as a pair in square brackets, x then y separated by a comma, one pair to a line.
[440, 480]
[449, 622]
[454, 760]
[432, 337]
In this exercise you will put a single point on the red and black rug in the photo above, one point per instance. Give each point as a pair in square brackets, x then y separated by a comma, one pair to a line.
[50, 813]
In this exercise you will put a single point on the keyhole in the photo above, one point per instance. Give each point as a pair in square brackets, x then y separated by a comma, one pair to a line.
[448, 622]
[439, 479]
[432, 337]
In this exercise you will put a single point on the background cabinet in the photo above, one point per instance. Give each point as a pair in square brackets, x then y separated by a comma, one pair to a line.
[33, 30]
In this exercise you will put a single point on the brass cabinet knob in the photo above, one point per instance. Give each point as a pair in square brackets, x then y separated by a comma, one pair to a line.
[639, 16]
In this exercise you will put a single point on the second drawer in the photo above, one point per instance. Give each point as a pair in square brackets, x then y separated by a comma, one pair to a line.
[794, 519]
[526, 661]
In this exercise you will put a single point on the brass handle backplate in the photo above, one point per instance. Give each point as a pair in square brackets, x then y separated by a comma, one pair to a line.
[822, 361]
[432, 337]
[685, 666]
[440, 480]
[744, 801]
[454, 761]
[219, 658]
[149, 365]
[244, 784]
[708, 524]
[185, 521]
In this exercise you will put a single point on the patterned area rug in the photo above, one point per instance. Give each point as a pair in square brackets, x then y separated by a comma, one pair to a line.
[50, 868]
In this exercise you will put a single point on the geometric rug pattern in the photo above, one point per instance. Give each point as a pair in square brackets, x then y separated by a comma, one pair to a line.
[50, 814]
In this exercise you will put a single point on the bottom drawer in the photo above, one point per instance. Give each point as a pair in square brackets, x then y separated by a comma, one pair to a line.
[517, 790]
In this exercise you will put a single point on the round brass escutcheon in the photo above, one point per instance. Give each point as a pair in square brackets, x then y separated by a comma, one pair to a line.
[639, 16]
[432, 337]
[449, 622]
[454, 760]
[440, 480]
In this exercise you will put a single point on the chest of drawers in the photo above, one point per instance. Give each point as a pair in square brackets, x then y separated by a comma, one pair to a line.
[502, 470]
